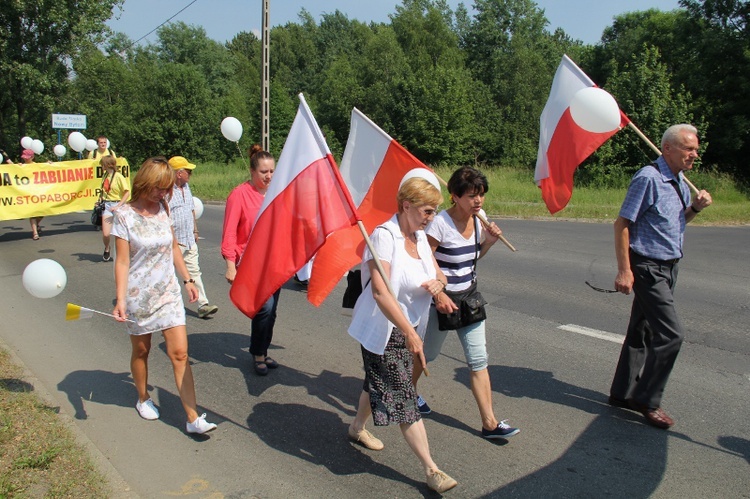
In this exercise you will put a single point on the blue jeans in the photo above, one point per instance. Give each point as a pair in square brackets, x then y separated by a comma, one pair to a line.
[473, 340]
[261, 331]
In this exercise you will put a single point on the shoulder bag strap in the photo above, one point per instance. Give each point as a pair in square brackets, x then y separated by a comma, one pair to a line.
[477, 249]
[676, 188]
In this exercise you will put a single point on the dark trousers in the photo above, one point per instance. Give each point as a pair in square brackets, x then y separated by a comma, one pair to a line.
[261, 331]
[654, 334]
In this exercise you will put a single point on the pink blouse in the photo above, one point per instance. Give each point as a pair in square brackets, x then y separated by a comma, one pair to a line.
[242, 207]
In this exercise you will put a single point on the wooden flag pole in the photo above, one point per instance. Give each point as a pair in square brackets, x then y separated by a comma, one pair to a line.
[381, 270]
[657, 151]
[484, 221]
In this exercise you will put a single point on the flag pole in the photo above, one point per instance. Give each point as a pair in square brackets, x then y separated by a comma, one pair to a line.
[380, 269]
[484, 221]
[657, 151]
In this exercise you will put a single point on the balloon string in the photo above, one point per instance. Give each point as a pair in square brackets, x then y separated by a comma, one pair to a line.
[241, 156]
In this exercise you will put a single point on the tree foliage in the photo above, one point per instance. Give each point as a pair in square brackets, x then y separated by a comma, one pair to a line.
[454, 87]
[38, 39]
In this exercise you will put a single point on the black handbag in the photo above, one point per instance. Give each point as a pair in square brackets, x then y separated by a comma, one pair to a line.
[470, 302]
[96, 214]
[471, 309]
[98, 211]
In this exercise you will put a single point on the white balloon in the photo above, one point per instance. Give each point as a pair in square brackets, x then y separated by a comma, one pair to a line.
[107, 143]
[59, 150]
[44, 278]
[231, 128]
[198, 207]
[595, 110]
[37, 146]
[26, 142]
[77, 141]
[91, 145]
[421, 173]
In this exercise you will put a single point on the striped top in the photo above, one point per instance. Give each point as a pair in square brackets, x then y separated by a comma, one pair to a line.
[455, 254]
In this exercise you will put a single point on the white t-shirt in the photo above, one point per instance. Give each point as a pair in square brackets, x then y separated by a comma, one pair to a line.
[455, 254]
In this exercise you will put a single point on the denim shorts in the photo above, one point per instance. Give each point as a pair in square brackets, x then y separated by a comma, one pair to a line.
[472, 337]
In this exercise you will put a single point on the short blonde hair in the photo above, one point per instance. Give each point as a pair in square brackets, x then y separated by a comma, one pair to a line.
[154, 172]
[419, 192]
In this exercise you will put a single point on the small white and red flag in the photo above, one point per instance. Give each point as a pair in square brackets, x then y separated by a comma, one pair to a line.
[566, 140]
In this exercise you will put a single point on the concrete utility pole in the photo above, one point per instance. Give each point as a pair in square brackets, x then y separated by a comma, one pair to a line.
[264, 79]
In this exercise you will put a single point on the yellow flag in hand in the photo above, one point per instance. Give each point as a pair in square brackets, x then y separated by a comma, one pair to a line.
[75, 312]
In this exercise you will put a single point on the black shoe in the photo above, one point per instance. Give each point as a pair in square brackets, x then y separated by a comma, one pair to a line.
[261, 369]
[424, 409]
[106, 256]
[272, 364]
[617, 402]
[501, 431]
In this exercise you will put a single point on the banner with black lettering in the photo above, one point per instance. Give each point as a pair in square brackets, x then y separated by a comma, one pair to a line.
[41, 189]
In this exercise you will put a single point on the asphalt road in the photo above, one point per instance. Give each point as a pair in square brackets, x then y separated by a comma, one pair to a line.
[553, 345]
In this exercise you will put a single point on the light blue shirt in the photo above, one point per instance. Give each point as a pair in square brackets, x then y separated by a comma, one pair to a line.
[655, 211]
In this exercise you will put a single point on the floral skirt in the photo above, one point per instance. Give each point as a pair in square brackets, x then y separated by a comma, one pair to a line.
[393, 398]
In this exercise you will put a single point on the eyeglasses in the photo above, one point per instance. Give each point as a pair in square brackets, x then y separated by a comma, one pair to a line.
[427, 212]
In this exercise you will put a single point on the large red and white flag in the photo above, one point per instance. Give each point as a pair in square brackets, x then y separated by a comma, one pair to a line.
[563, 143]
[372, 167]
[306, 201]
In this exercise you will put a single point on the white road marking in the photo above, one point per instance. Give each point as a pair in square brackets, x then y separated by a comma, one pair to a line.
[594, 333]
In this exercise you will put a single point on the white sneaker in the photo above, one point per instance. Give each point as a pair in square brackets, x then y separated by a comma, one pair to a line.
[200, 425]
[147, 410]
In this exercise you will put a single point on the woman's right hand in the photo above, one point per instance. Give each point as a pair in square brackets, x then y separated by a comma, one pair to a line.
[121, 315]
[444, 304]
[231, 272]
[415, 345]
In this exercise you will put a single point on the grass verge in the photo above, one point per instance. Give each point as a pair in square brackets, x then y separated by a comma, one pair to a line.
[514, 194]
[39, 456]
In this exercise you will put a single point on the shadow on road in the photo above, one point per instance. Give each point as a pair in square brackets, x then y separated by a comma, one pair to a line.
[230, 350]
[101, 387]
[321, 440]
[617, 455]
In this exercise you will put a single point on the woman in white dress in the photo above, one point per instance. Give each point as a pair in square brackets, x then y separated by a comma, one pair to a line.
[148, 293]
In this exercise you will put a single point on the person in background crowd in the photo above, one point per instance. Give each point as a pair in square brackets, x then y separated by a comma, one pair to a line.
[458, 240]
[115, 192]
[27, 156]
[182, 211]
[649, 233]
[242, 206]
[147, 262]
[389, 327]
[102, 149]
[4, 157]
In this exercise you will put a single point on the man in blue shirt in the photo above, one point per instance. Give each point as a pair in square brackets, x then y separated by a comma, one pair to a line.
[649, 234]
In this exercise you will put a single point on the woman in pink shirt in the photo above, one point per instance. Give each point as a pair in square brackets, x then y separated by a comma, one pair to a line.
[242, 207]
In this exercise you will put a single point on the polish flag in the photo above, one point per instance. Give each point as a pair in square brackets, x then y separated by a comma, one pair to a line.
[563, 143]
[372, 167]
[305, 202]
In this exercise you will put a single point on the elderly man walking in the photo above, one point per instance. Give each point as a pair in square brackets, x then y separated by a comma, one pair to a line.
[182, 211]
[649, 233]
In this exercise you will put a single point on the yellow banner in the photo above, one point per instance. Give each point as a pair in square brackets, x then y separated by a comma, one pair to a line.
[41, 189]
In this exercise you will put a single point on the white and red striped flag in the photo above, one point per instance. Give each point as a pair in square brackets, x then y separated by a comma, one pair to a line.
[563, 144]
[372, 167]
[306, 201]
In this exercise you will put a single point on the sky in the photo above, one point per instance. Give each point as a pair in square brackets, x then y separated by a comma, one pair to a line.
[222, 19]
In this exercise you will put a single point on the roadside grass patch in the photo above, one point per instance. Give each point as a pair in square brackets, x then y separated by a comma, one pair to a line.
[39, 456]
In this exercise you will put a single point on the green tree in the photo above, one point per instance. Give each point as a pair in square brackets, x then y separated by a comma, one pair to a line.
[511, 53]
[644, 92]
[718, 71]
[38, 39]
